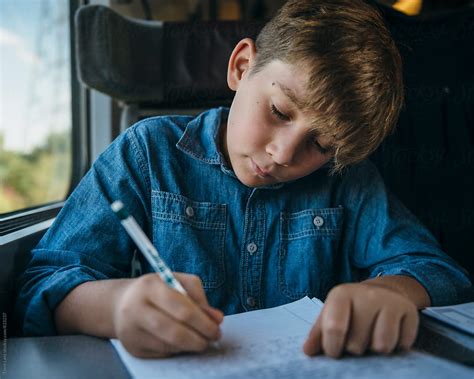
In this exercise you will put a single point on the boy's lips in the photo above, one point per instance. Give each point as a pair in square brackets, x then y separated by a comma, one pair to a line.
[259, 171]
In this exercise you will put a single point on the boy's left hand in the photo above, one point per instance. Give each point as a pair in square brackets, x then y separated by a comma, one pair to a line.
[360, 317]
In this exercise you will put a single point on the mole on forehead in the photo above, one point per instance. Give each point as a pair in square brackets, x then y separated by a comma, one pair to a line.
[290, 94]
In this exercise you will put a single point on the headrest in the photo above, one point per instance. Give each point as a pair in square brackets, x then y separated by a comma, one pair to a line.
[165, 63]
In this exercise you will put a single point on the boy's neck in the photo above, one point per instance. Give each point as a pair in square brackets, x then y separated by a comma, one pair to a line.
[222, 142]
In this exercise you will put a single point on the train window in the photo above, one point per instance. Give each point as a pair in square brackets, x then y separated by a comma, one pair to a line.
[35, 103]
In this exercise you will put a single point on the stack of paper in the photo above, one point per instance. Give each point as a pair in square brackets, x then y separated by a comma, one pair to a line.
[268, 344]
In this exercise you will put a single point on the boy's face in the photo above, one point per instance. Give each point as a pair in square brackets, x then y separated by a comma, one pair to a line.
[268, 138]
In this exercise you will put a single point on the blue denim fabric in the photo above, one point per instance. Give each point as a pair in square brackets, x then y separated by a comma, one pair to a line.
[252, 247]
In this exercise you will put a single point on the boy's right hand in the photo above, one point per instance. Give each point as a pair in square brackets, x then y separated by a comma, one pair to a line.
[153, 320]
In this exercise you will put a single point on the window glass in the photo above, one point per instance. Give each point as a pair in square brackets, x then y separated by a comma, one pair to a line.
[35, 103]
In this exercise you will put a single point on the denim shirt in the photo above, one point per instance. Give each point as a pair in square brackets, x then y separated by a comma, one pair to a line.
[252, 247]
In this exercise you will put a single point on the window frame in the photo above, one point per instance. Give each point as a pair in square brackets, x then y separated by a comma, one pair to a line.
[23, 222]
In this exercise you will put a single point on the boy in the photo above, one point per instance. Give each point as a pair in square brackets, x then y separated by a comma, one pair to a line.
[247, 203]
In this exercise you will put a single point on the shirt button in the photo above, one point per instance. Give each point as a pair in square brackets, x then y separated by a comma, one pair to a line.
[251, 248]
[190, 211]
[251, 302]
[318, 221]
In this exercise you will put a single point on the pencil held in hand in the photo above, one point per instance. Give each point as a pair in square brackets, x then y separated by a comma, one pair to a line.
[145, 246]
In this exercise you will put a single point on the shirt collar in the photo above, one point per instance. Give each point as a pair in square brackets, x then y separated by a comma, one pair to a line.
[200, 140]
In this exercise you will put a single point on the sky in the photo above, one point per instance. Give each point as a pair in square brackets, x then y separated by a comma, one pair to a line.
[34, 71]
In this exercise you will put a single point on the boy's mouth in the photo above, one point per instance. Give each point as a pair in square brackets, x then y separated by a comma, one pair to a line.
[259, 171]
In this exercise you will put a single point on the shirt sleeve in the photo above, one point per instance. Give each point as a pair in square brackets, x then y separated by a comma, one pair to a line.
[86, 241]
[384, 238]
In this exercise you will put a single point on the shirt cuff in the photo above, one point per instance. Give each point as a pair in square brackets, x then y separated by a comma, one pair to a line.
[442, 285]
[39, 309]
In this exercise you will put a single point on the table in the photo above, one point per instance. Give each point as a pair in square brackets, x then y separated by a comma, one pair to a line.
[80, 356]
[61, 357]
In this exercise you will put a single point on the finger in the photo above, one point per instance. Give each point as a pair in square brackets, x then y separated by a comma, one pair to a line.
[213, 313]
[142, 344]
[336, 316]
[386, 331]
[408, 330]
[360, 332]
[193, 286]
[183, 309]
[312, 345]
[364, 314]
[166, 329]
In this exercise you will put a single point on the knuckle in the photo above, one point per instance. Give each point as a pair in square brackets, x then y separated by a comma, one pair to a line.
[372, 294]
[196, 280]
[148, 280]
[334, 328]
[184, 314]
[338, 290]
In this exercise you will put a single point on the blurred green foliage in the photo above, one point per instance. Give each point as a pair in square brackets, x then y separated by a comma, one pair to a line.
[38, 177]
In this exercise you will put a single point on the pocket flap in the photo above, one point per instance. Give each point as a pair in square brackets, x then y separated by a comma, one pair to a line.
[311, 222]
[173, 207]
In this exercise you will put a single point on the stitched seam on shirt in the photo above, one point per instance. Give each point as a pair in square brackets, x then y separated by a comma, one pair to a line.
[179, 218]
[221, 261]
[311, 212]
[140, 156]
[259, 257]
[184, 200]
[326, 233]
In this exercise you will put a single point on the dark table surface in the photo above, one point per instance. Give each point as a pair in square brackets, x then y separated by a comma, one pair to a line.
[61, 357]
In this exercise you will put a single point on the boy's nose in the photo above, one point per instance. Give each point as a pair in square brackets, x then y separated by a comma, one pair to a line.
[283, 150]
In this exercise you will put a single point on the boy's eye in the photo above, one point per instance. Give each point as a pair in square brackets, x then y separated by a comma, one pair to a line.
[319, 147]
[277, 113]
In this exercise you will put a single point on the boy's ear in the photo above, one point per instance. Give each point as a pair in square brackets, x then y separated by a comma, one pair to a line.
[240, 61]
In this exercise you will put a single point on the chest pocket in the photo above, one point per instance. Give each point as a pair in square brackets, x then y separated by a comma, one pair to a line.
[307, 255]
[190, 236]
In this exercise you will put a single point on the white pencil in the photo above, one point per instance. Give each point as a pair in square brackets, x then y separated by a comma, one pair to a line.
[145, 246]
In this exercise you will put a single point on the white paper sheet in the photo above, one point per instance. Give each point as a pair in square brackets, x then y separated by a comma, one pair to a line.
[268, 344]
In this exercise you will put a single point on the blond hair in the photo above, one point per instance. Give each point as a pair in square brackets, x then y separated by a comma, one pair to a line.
[355, 85]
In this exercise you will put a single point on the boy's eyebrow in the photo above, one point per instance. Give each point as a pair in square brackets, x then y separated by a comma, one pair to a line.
[290, 94]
